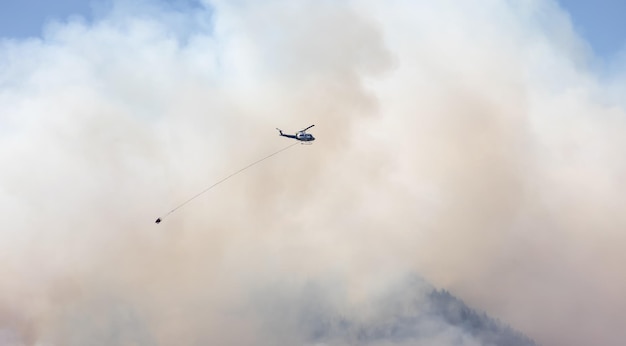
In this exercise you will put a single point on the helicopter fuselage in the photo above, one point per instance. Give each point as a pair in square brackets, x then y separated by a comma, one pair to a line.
[305, 137]
[300, 135]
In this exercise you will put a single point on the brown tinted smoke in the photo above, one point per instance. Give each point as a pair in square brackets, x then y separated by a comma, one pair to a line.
[465, 142]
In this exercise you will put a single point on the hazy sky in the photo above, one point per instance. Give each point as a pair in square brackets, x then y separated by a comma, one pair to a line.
[469, 142]
[600, 22]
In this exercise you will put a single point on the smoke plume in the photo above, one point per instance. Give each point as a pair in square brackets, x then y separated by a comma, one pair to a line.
[470, 142]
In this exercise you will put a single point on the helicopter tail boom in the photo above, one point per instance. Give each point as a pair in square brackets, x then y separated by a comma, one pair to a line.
[284, 135]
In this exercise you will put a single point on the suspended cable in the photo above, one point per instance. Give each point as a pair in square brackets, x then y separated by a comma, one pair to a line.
[158, 220]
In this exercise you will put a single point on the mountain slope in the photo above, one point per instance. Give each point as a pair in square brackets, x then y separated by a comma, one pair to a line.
[410, 313]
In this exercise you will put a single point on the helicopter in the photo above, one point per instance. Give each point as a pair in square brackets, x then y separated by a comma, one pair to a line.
[300, 135]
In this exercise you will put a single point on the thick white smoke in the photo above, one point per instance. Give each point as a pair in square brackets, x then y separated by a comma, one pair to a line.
[466, 141]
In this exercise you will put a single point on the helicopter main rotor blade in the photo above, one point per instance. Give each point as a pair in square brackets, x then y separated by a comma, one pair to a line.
[307, 128]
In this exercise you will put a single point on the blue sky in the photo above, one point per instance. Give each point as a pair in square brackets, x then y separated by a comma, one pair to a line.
[600, 22]
[23, 18]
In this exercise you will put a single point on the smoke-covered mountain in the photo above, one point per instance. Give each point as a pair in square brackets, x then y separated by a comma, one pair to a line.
[316, 312]
[412, 312]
